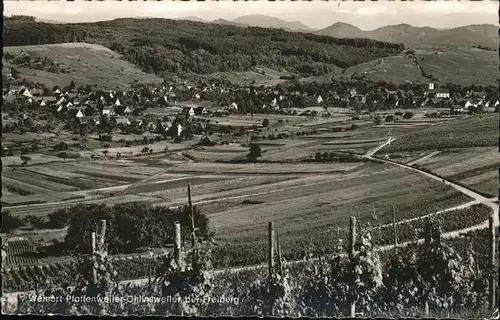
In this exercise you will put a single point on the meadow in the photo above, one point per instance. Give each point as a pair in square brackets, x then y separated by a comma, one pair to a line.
[85, 64]
[460, 65]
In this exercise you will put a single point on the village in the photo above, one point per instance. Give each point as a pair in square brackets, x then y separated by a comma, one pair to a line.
[181, 111]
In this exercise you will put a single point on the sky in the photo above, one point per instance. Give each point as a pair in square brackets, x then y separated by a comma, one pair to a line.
[314, 14]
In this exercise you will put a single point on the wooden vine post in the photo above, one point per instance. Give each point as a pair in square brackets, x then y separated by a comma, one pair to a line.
[177, 246]
[193, 234]
[491, 265]
[271, 258]
[394, 228]
[352, 243]
[94, 270]
[98, 247]
[280, 261]
[102, 236]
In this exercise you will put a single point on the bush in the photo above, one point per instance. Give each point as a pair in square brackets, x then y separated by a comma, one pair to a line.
[105, 137]
[408, 115]
[10, 223]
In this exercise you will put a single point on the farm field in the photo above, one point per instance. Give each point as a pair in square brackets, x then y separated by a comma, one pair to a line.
[319, 206]
[474, 131]
[474, 167]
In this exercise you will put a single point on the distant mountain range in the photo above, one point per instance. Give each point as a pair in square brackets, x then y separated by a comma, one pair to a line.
[49, 21]
[257, 20]
[271, 22]
[485, 35]
[473, 35]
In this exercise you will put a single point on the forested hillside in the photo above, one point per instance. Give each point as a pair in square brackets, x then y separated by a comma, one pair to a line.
[162, 45]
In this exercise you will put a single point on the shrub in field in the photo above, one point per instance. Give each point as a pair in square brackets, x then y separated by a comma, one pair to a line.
[10, 222]
[254, 152]
[132, 225]
[59, 219]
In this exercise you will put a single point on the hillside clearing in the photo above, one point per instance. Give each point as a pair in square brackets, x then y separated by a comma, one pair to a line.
[86, 64]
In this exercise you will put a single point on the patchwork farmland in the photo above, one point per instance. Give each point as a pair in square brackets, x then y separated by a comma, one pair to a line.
[240, 197]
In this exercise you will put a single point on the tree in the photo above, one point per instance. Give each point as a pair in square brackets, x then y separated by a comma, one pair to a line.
[131, 225]
[25, 160]
[34, 145]
[389, 118]
[409, 115]
[377, 120]
[10, 222]
[265, 123]
[63, 154]
[317, 156]
[255, 152]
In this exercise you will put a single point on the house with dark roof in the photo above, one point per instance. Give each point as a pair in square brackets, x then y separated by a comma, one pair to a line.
[188, 111]
[200, 111]
[86, 120]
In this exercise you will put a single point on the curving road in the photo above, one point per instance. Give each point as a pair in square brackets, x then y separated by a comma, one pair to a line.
[478, 198]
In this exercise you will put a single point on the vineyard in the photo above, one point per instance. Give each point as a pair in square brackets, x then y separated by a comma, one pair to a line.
[437, 278]
[20, 252]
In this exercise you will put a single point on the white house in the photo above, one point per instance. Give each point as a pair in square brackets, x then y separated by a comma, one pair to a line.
[26, 93]
[179, 129]
[118, 103]
[42, 103]
[319, 99]
[431, 86]
[79, 114]
[189, 111]
[197, 96]
[233, 107]
[442, 93]
[108, 111]
[274, 103]
[123, 121]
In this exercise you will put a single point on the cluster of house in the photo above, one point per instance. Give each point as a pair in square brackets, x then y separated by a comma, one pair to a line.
[88, 108]
[124, 107]
[432, 97]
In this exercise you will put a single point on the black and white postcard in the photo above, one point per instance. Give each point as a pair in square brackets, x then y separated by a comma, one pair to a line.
[234, 158]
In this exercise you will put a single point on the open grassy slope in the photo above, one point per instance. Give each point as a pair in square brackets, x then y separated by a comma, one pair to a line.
[84, 63]
[463, 66]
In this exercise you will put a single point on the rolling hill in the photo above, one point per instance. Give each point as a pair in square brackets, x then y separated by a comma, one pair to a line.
[85, 64]
[181, 46]
[192, 18]
[228, 23]
[264, 21]
[460, 65]
[473, 35]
